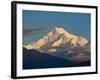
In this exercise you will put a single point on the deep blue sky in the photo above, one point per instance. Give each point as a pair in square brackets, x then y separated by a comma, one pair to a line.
[76, 23]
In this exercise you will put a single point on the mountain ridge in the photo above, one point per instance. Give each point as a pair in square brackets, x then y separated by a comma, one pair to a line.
[33, 59]
[58, 37]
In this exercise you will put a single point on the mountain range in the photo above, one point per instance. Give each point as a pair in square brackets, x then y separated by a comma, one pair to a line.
[58, 48]
[57, 38]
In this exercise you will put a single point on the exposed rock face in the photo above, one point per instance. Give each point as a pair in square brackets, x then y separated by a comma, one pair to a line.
[58, 37]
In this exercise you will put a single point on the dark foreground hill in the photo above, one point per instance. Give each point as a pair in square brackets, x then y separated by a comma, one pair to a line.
[33, 59]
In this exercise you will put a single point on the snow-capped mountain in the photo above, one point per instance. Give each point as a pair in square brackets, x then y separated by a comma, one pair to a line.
[56, 38]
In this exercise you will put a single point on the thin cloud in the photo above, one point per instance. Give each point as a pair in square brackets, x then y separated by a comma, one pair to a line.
[34, 31]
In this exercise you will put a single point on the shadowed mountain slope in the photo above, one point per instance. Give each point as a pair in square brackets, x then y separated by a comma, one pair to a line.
[33, 59]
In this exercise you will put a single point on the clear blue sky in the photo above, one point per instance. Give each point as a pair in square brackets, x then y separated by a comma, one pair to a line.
[36, 24]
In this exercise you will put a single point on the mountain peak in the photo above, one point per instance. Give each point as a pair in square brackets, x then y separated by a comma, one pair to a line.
[59, 30]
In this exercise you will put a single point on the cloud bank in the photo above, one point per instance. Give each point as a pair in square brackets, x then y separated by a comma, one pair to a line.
[33, 31]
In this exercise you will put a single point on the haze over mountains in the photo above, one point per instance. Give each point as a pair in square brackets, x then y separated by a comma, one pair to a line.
[33, 59]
